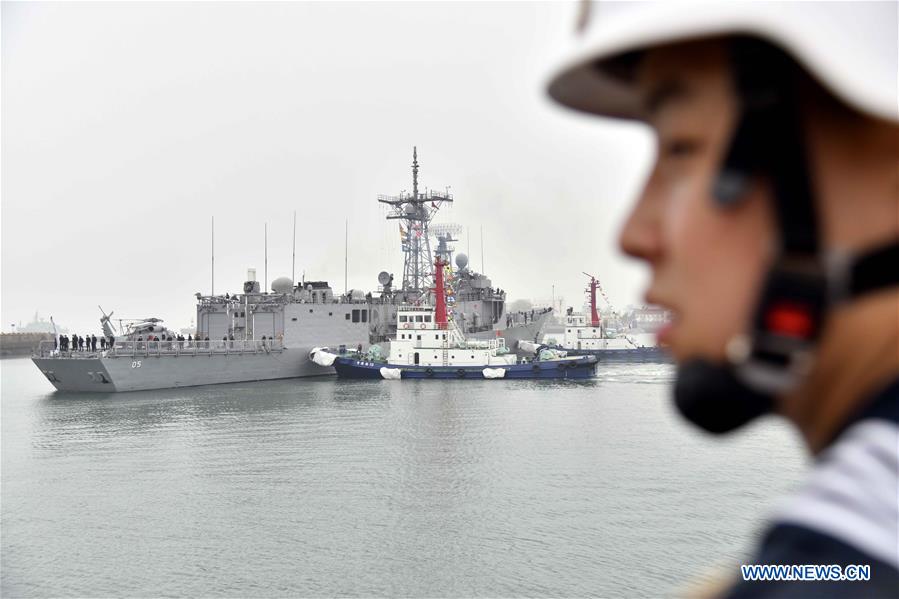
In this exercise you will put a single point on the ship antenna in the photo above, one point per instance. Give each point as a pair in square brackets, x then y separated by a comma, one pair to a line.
[415, 172]
[346, 250]
[293, 264]
[265, 289]
[482, 249]
[213, 256]
[415, 212]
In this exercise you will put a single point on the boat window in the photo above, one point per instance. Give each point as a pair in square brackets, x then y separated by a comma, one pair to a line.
[419, 338]
[427, 318]
[355, 315]
[347, 315]
[418, 318]
[365, 316]
[403, 318]
[330, 314]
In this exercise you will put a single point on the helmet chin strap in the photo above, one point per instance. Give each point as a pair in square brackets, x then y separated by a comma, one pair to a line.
[802, 284]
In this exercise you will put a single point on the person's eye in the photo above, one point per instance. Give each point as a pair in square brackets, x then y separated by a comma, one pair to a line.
[681, 148]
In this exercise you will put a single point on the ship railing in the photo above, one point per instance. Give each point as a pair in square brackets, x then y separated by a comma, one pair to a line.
[499, 343]
[168, 348]
[236, 346]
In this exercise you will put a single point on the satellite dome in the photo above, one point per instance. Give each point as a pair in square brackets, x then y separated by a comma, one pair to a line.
[282, 285]
[383, 277]
[461, 260]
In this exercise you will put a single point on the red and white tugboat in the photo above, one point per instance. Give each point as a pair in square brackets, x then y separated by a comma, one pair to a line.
[585, 335]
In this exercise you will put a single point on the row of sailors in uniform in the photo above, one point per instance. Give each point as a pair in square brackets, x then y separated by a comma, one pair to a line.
[89, 342]
[164, 342]
[77, 343]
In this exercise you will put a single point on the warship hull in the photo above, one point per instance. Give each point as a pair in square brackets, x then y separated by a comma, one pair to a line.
[144, 372]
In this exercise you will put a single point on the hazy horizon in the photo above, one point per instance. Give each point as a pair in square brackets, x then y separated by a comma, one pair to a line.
[126, 127]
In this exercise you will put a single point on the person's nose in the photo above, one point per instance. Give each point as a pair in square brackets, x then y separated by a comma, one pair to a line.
[641, 236]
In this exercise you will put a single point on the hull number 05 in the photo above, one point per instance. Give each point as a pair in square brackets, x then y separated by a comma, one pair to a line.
[135, 364]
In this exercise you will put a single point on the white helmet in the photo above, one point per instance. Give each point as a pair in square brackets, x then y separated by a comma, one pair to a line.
[850, 47]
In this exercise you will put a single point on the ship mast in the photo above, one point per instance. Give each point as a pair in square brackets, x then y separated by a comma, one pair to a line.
[415, 212]
[591, 289]
[440, 293]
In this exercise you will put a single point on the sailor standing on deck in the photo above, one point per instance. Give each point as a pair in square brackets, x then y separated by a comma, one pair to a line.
[769, 221]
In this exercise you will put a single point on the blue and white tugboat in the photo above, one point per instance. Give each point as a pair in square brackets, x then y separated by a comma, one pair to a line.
[428, 346]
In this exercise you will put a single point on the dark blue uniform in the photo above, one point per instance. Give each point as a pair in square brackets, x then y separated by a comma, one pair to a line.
[847, 513]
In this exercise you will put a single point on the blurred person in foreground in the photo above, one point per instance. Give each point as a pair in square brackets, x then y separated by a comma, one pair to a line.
[770, 221]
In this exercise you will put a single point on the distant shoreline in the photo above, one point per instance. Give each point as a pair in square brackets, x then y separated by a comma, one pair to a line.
[21, 345]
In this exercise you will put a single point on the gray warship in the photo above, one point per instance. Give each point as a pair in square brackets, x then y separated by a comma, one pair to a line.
[264, 334]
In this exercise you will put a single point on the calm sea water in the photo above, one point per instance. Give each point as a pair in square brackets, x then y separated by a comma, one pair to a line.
[417, 488]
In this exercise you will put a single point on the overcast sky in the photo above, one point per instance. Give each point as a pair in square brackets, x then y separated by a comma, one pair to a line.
[126, 126]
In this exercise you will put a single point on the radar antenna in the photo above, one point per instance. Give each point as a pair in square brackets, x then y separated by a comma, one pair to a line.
[415, 212]
[445, 234]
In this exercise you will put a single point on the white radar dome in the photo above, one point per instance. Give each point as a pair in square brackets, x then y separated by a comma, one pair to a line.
[282, 285]
[461, 260]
